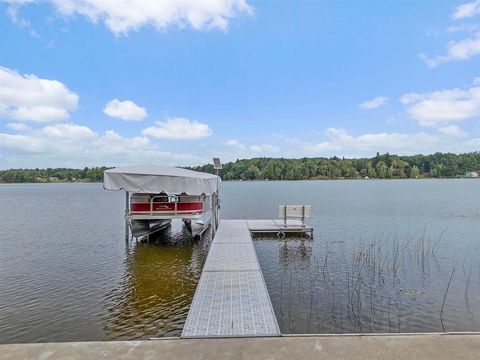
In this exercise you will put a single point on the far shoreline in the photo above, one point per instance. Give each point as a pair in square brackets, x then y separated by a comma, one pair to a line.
[256, 180]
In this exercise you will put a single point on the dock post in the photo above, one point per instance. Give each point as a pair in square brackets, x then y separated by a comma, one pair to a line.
[127, 230]
[214, 215]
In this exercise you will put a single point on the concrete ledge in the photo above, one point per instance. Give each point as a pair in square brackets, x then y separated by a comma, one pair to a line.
[385, 347]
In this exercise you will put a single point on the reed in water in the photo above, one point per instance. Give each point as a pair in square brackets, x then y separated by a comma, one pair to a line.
[367, 288]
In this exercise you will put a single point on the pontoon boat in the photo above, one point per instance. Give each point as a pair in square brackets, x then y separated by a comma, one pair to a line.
[155, 195]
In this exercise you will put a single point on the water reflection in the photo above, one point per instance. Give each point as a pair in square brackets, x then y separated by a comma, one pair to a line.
[294, 249]
[403, 284]
[157, 287]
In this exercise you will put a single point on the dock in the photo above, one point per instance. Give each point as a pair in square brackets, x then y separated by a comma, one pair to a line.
[231, 299]
[279, 227]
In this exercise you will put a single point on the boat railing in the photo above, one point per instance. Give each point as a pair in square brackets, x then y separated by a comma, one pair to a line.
[174, 205]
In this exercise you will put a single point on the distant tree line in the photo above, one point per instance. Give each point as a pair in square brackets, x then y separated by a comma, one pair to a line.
[386, 166]
[92, 174]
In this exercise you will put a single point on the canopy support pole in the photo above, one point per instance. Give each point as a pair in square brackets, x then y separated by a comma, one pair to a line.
[214, 213]
[127, 230]
[216, 210]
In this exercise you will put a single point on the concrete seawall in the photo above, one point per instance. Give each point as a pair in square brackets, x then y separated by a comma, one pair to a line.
[360, 347]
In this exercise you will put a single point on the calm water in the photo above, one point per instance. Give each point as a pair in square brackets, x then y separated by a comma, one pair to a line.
[381, 259]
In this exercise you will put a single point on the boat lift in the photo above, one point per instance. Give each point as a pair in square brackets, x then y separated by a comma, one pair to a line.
[154, 195]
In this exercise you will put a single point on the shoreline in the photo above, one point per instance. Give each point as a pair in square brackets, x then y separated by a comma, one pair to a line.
[258, 180]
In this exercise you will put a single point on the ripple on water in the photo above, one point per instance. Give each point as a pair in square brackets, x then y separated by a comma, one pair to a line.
[66, 274]
[155, 292]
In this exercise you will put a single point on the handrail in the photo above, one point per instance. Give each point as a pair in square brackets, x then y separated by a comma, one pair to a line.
[171, 199]
[294, 211]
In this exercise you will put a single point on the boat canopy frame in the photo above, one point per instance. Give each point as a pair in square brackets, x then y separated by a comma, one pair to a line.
[157, 179]
[163, 179]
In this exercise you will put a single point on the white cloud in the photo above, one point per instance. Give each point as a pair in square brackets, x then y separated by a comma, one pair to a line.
[21, 143]
[240, 150]
[463, 27]
[69, 132]
[29, 98]
[12, 12]
[251, 150]
[443, 107]
[236, 144]
[476, 81]
[178, 128]
[461, 50]
[453, 130]
[467, 10]
[374, 103]
[287, 139]
[68, 144]
[340, 142]
[18, 126]
[264, 148]
[456, 51]
[125, 110]
[123, 16]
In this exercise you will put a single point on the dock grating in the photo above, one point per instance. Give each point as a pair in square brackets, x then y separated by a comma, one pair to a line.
[232, 257]
[231, 299]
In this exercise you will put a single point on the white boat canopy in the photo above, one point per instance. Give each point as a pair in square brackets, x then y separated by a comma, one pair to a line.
[155, 179]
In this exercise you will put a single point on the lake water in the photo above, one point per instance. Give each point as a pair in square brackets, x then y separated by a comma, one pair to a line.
[383, 255]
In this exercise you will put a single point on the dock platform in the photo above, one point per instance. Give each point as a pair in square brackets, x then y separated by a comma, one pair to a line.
[231, 299]
[279, 227]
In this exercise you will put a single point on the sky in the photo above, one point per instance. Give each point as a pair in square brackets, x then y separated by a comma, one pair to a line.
[98, 82]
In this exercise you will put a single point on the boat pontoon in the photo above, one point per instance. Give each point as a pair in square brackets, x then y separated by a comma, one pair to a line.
[155, 195]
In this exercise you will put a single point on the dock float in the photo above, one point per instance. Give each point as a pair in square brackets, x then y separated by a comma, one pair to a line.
[231, 299]
[279, 227]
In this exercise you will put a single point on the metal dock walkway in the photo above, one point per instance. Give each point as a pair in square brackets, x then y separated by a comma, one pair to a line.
[231, 299]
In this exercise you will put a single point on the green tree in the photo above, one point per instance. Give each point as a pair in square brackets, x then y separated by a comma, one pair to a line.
[381, 169]
[415, 172]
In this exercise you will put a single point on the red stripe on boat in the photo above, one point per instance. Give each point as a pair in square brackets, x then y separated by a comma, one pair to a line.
[167, 207]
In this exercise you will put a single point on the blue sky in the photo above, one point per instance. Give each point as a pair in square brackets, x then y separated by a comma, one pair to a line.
[89, 82]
